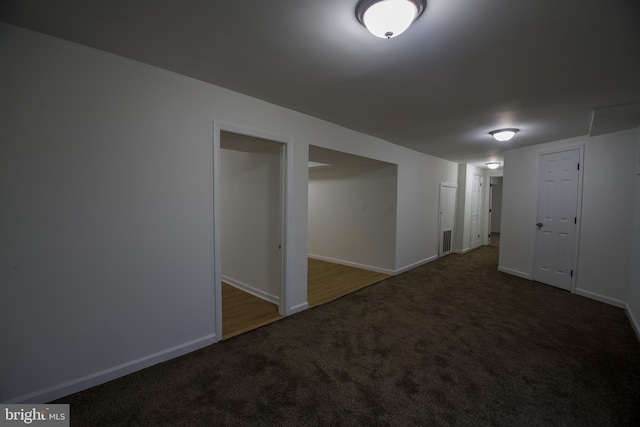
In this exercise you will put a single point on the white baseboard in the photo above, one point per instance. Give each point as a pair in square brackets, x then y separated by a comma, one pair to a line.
[352, 264]
[461, 251]
[274, 299]
[515, 272]
[634, 322]
[607, 300]
[65, 389]
[416, 264]
[298, 308]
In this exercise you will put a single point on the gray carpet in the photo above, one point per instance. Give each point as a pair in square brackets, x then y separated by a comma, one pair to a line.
[453, 342]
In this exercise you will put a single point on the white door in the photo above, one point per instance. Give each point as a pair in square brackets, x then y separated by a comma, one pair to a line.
[557, 218]
[476, 192]
[448, 196]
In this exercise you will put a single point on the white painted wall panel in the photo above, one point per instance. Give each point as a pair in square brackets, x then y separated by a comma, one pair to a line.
[608, 204]
[250, 221]
[633, 292]
[106, 222]
[418, 211]
[517, 239]
[352, 215]
[105, 174]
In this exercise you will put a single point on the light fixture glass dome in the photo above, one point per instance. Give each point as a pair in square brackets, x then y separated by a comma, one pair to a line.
[388, 18]
[504, 134]
[493, 165]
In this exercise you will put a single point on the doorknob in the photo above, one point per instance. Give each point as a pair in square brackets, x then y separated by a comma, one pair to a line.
[539, 225]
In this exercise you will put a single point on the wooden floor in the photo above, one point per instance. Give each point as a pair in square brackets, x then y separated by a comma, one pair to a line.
[327, 281]
[242, 312]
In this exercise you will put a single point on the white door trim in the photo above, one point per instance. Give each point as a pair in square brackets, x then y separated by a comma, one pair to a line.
[285, 197]
[580, 148]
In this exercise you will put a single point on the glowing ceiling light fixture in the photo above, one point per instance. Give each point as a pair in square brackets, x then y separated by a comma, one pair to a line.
[493, 165]
[389, 18]
[504, 134]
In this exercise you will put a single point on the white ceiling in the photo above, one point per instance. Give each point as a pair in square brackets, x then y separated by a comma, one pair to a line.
[464, 68]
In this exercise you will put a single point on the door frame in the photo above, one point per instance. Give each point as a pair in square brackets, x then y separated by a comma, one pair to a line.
[580, 148]
[286, 161]
[489, 210]
[455, 212]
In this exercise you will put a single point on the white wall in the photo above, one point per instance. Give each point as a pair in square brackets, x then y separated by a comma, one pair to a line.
[418, 208]
[250, 221]
[419, 178]
[352, 216]
[608, 199]
[633, 292]
[106, 222]
[464, 200]
[608, 205]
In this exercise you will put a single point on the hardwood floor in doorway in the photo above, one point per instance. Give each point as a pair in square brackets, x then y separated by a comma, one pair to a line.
[328, 281]
[243, 312]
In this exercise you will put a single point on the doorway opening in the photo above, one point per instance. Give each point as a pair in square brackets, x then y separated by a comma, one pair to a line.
[495, 209]
[351, 223]
[250, 207]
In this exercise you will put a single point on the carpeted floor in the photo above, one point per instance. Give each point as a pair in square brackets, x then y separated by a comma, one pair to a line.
[453, 342]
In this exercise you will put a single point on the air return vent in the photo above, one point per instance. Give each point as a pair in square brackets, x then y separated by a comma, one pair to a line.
[446, 241]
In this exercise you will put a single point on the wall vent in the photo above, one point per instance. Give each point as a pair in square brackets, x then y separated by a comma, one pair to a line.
[446, 241]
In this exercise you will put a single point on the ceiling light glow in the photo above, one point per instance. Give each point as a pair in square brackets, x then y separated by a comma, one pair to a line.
[504, 134]
[389, 18]
[493, 165]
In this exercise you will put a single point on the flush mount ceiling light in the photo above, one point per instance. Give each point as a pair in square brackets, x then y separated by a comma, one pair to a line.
[389, 18]
[493, 165]
[504, 134]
